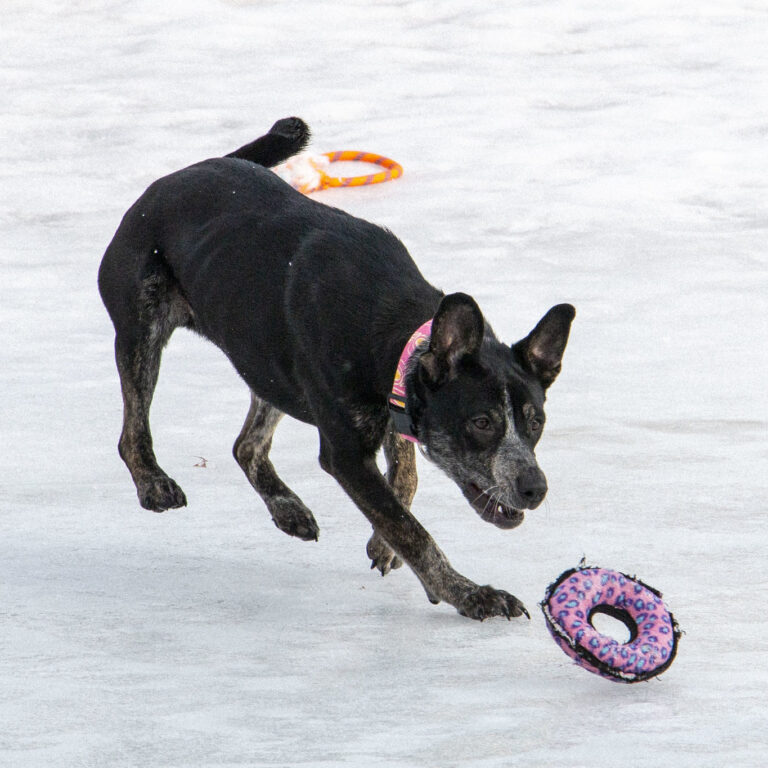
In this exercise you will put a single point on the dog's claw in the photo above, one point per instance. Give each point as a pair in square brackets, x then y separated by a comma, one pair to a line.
[386, 565]
[382, 556]
[486, 602]
[384, 568]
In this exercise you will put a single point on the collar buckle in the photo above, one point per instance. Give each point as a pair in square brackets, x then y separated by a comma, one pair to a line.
[401, 419]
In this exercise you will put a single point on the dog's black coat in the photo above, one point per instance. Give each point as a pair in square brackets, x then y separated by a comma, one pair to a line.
[313, 307]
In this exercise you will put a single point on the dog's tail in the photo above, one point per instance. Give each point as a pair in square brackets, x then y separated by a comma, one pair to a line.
[284, 139]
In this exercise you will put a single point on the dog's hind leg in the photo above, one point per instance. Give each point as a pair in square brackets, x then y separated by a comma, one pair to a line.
[401, 475]
[251, 451]
[145, 310]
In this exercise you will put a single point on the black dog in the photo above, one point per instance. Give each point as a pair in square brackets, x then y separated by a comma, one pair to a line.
[313, 307]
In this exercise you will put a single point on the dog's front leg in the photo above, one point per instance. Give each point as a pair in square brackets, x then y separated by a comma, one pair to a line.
[357, 473]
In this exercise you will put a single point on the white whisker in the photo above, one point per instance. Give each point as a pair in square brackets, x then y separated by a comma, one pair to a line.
[485, 493]
[491, 493]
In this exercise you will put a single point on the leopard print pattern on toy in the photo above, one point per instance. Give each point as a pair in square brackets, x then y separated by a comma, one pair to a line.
[572, 600]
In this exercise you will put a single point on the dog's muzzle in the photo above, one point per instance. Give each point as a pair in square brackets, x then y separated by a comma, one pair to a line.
[491, 509]
[530, 487]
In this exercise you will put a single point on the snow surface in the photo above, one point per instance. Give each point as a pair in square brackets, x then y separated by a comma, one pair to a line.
[608, 154]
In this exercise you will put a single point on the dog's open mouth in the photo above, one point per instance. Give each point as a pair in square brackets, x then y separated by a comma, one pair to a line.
[491, 509]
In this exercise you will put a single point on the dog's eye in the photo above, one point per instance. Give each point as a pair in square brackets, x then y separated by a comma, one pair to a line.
[535, 423]
[482, 422]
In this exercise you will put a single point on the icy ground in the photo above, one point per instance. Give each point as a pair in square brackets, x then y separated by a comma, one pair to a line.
[608, 154]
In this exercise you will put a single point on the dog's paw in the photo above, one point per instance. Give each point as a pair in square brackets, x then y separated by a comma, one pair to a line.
[484, 602]
[382, 556]
[291, 516]
[160, 493]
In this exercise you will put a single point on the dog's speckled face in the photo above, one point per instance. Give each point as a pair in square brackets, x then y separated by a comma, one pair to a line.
[481, 407]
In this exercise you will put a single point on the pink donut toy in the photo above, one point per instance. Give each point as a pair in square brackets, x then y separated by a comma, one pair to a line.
[578, 594]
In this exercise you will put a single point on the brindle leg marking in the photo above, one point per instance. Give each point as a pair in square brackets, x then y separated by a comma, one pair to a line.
[401, 475]
[251, 451]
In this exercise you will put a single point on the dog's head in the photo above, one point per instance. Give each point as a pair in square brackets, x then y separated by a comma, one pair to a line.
[479, 405]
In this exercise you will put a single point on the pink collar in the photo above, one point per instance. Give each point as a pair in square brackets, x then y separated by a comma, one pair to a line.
[396, 400]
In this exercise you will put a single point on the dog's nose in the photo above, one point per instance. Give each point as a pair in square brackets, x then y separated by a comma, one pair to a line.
[532, 486]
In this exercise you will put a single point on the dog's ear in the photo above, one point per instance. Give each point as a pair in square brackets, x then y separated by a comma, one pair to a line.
[541, 351]
[457, 332]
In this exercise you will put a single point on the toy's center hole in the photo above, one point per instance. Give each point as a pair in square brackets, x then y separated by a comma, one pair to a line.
[613, 622]
[347, 168]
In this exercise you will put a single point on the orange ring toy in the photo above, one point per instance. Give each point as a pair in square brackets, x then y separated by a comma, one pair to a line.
[309, 173]
[393, 170]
